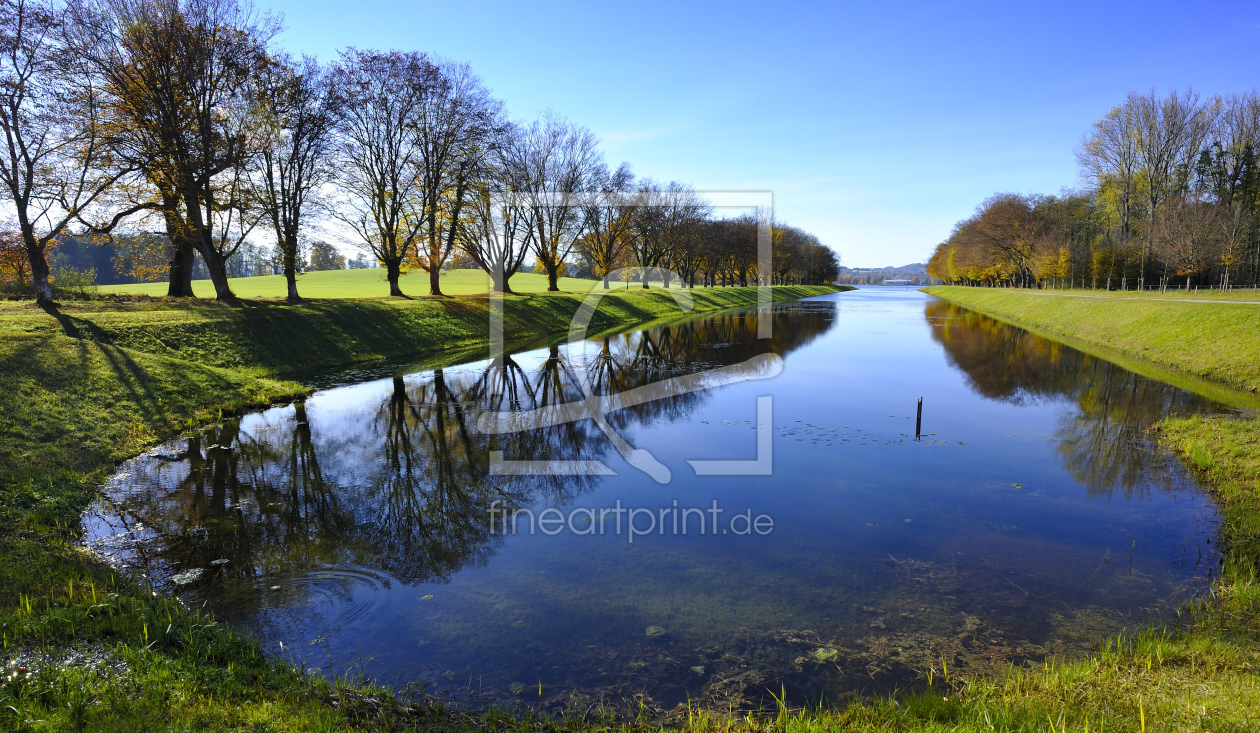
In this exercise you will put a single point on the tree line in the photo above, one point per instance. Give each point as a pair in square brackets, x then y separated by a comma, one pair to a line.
[179, 127]
[1173, 200]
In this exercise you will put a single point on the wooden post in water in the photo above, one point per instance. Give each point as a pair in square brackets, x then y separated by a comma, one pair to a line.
[918, 421]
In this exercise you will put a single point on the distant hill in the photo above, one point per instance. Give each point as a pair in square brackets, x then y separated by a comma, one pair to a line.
[916, 273]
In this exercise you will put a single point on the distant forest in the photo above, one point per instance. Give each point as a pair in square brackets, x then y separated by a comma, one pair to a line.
[1173, 201]
[916, 273]
[124, 260]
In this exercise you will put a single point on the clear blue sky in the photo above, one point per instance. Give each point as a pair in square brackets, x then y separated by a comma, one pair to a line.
[876, 125]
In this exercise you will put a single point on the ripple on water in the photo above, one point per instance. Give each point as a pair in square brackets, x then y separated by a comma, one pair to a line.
[307, 609]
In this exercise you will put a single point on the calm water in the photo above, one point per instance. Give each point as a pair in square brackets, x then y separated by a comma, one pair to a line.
[353, 532]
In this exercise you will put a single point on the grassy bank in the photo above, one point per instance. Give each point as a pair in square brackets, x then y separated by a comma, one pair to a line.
[1201, 675]
[368, 283]
[1214, 341]
[96, 381]
[145, 663]
[271, 337]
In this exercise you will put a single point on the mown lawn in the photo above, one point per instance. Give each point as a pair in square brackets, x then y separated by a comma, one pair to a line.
[369, 283]
[269, 337]
[1216, 341]
[92, 382]
[98, 381]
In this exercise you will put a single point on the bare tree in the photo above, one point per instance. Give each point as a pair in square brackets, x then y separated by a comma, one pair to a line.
[1110, 155]
[652, 221]
[685, 212]
[608, 218]
[297, 122]
[1227, 171]
[454, 124]
[380, 171]
[559, 159]
[498, 231]
[56, 166]
[1171, 132]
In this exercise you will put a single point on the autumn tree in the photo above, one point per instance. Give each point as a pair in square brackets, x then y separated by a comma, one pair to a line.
[15, 264]
[179, 75]
[1189, 239]
[324, 256]
[380, 169]
[296, 125]
[609, 213]
[57, 167]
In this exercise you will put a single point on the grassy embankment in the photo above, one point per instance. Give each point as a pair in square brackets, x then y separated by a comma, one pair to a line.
[133, 373]
[368, 283]
[1217, 342]
[1204, 675]
[97, 381]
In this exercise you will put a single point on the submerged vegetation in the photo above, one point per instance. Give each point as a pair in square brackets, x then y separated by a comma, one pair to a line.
[96, 381]
[1200, 673]
[86, 648]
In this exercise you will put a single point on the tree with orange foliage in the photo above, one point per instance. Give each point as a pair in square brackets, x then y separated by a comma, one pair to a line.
[55, 168]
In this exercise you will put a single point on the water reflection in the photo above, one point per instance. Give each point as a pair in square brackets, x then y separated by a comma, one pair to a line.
[1104, 442]
[399, 483]
[354, 526]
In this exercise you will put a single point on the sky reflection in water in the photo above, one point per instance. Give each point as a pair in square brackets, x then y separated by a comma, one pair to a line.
[1030, 519]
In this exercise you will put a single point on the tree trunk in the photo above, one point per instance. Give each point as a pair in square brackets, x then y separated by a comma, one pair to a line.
[184, 257]
[174, 281]
[499, 282]
[290, 267]
[217, 265]
[392, 267]
[186, 272]
[605, 281]
[435, 284]
[179, 283]
[39, 275]
[553, 278]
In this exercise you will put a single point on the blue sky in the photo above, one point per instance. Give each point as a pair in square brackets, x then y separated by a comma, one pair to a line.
[876, 125]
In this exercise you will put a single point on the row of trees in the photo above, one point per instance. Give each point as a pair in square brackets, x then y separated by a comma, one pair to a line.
[1173, 200]
[180, 118]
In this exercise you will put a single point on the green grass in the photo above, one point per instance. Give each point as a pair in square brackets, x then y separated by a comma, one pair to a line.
[1213, 341]
[1244, 295]
[369, 283]
[101, 380]
[96, 381]
[271, 337]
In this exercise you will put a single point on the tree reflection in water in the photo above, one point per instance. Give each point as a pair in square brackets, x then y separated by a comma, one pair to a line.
[399, 485]
[317, 506]
[1104, 442]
